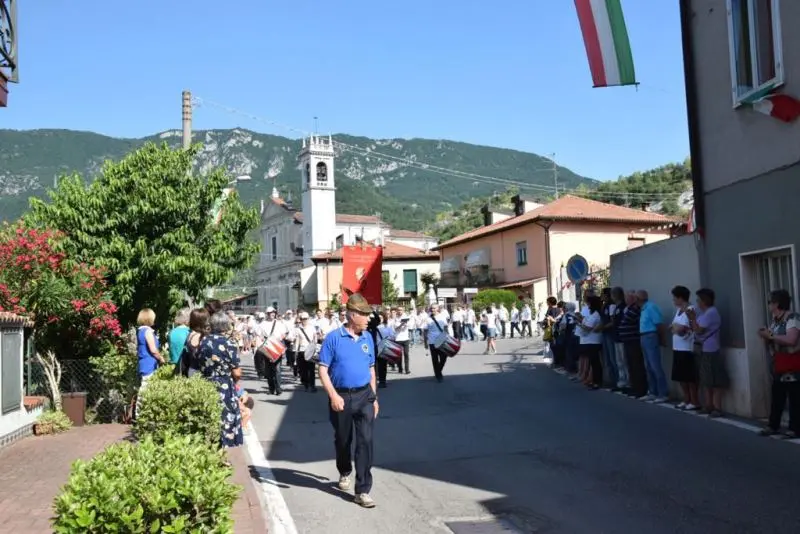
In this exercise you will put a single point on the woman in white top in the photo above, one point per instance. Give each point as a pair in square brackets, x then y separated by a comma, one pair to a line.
[437, 324]
[591, 343]
[303, 335]
[491, 330]
[684, 366]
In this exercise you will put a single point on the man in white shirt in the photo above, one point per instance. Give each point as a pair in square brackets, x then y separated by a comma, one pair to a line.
[321, 323]
[273, 328]
[401, 337]
[502, 314]
[525, 318]
[469, 324]
[458, 322]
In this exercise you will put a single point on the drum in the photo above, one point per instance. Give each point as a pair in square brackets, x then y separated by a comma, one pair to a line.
[389, 350]
[273, 349]
[447, 345]
[311, 354]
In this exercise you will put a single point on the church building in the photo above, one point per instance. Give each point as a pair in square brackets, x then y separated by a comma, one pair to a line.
[296, 239]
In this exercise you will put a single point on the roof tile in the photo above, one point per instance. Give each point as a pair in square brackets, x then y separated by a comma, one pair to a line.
[391, 251]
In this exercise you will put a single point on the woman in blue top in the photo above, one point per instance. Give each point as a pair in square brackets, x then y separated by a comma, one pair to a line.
[147, 350]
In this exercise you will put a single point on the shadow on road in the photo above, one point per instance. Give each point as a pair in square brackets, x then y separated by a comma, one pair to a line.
[558, 457]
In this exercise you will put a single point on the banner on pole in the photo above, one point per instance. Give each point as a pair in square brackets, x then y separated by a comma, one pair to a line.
[362, 273]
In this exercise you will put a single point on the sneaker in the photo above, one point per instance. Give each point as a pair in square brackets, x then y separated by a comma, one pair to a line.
[345, 482]
[660, 400]
[691, 408]
[681, 406]
[364, 500]
[647, 398]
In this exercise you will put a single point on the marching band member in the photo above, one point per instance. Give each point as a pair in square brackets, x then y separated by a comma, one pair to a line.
[437, 325]
[304, 337]
[273, 329]
[401, 327]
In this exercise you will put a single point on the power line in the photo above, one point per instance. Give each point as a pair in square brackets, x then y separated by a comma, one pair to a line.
[414, 163]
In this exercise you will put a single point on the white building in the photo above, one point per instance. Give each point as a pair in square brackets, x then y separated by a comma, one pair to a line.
[291, 238]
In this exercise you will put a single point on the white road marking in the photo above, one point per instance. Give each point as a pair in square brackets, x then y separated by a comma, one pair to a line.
[279, 519]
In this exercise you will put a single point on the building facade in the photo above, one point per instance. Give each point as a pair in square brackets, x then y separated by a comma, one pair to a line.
[527, 250]
[291, 238]
[746, 168]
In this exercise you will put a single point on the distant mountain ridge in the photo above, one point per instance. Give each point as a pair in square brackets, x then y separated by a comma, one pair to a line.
[393, 177]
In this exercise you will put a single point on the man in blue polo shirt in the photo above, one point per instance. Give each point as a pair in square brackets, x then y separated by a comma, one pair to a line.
[347, 372]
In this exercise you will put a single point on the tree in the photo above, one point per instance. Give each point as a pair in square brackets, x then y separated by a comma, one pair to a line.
[146, 220]
[388, 289]
[68, 303]
[486, 297]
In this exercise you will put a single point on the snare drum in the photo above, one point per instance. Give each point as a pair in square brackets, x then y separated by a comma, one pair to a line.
[447, 345]
[273, 349]
[389, 350]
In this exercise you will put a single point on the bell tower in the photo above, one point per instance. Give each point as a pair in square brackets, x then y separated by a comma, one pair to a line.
[319, 196]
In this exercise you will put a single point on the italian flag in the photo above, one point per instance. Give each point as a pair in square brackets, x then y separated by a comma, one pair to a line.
[606, 40]
[779, 106]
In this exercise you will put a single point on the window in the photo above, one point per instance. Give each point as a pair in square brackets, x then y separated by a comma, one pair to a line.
[774, 272]
[635, 242]
[11, 366]
[754, 40]
[274, 248]
[409, 281]
[522, 253]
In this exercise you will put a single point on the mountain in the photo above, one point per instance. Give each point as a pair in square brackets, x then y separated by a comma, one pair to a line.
[407, 181]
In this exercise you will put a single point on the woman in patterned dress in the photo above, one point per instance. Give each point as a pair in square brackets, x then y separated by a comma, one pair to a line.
[219, 362]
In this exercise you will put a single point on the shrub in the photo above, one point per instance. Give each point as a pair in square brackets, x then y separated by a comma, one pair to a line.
[486, 297]
[120, 379]
[53, 422]
[180, 406]
[165, 372]
[176, 485]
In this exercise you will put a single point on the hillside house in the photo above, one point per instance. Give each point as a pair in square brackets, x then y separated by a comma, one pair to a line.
[526, 250]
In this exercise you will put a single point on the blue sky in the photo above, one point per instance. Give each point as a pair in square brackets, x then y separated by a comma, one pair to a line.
[508, 73]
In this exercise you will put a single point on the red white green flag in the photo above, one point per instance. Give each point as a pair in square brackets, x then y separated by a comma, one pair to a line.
[606, 39]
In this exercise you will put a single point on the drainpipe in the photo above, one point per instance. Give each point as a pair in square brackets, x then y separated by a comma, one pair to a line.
[692, 115]
[547, 260]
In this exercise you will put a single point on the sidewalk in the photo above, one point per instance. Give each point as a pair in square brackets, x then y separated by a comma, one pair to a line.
[33, 470]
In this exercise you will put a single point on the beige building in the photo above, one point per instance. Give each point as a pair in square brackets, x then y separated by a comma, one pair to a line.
[527, 250]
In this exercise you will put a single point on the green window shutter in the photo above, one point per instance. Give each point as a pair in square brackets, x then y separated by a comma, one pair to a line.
[409, 281]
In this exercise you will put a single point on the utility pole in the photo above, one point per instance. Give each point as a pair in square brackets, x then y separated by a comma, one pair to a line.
[555, 172]
[187, 119]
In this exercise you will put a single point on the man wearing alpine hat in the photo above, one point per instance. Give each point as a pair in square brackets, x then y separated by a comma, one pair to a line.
[347, 372]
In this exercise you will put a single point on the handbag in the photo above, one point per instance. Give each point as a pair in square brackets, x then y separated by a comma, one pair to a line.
[548, 334]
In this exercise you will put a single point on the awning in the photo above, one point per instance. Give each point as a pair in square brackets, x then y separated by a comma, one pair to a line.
[522, 283]
[450, 265]
[478, 258]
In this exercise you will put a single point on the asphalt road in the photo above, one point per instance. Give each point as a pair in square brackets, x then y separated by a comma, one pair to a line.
[504, 437]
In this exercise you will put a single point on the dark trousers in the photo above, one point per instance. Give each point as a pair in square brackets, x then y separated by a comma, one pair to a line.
[458, 329]
[595, 361]
[438, 359]
[503, 328]
[291, 361]
[515, 327]
[484, 331]
[308, 372]
[526, 327]
[403, 364]
[358, 417]
[383, 368]
[780, 391]
[274, 375]
[260, 362]
[637, 375]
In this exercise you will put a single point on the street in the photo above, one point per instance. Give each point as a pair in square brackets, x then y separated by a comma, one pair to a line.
[505, 437]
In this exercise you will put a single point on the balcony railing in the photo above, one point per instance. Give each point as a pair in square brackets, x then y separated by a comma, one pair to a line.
[476, 277]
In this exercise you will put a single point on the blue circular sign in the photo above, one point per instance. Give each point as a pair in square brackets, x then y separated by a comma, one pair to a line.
[577, 269]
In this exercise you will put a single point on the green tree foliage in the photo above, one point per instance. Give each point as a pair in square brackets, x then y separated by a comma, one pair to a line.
[662, 184]
[468, 216]
[486, 297]
[388, 289]
[146, 222]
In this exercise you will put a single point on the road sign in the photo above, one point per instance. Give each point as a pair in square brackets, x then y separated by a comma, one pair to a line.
[577, 269]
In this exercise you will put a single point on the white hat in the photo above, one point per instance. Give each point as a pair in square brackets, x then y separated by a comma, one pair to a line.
[303, 315]
[270, 310]
[260, 315]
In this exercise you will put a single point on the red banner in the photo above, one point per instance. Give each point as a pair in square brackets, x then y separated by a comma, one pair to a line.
[362, 272]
